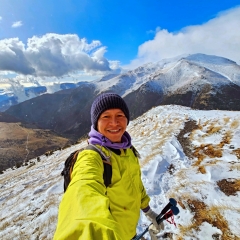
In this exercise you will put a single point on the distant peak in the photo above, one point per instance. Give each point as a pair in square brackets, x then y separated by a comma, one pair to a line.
[204, 58]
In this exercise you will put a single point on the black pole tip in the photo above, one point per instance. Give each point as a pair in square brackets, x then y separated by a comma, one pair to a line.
[175, 210]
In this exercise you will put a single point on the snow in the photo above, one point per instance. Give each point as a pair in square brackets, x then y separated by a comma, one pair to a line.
[168, 75]
[30, 195]
[225, 67]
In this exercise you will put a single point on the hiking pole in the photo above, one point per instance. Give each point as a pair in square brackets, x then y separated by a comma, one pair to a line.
[173, 211]
[163, 215]
[172, 202]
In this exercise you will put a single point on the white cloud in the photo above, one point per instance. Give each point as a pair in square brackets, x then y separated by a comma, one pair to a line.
[52, 55]
[17, 24]
[0, 18]
[219, 36]
[12, 57]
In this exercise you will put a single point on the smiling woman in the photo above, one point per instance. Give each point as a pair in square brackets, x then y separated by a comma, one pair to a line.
[89, 209]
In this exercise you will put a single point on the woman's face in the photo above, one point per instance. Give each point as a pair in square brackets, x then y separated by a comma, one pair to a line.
[112, 124]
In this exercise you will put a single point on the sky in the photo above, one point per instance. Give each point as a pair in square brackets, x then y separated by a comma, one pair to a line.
[56, 38]
[206, 185]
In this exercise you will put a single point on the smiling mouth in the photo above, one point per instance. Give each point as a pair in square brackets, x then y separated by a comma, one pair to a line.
[114, 131]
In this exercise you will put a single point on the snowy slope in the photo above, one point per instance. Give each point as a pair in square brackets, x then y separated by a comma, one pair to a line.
[202, 174]
[223, 66]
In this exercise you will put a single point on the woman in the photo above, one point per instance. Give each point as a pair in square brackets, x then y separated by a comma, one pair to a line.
[88, 209]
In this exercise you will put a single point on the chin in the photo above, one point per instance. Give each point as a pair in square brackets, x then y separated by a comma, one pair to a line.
[114, 139]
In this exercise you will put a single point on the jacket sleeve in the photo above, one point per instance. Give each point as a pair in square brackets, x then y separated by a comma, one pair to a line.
[145, 199]
[84, 209]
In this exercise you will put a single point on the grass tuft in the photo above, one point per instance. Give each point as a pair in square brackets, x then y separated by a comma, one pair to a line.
[229, 186]
[203, 213]
[237, 152]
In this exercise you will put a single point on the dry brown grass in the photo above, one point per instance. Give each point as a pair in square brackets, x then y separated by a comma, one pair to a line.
[202, 169]
[235, 124]
[206, 123]
[204, 151]
[19, 144]
[198, 153]
[4, 224]
[180, 188]
[203, 213]
[155, 127]
[213, 129]
[237, 152]
[226, 120]
[46, 225]
[229, 186]
[227, 137]
[51, 202]
[235, 166]
[212, 151]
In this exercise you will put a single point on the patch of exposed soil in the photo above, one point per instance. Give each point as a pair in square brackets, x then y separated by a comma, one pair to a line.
[184, 139]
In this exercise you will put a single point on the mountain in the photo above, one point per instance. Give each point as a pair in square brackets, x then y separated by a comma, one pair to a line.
[13, 92]
[190, 155]
[198, 81]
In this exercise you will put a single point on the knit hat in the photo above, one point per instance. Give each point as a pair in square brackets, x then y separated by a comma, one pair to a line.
[104, 102]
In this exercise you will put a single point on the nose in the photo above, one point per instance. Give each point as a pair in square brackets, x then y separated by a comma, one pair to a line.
[114, 121]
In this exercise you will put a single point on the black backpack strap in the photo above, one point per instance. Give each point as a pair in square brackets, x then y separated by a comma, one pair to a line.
[135, 151]
[68, 167]
[107, 173]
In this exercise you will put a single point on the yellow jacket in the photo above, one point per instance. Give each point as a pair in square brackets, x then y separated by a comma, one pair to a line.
[90, 211]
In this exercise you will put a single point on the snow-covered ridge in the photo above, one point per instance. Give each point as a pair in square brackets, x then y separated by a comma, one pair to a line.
[168, 75]
[223, 66]
[30, 195]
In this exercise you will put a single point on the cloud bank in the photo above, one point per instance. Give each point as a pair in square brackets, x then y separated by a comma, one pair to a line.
[52, 55]
[219, 36]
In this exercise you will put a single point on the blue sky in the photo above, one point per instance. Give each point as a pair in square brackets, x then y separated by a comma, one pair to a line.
[112, 33]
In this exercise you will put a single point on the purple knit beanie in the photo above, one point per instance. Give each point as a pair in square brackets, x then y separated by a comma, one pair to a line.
[104, 102]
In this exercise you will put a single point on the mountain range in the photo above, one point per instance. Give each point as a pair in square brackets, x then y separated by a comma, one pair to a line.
[198, 81]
